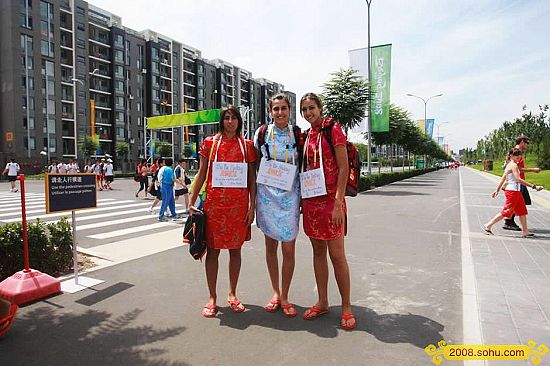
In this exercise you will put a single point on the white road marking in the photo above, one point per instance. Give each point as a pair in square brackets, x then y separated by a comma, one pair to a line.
[43, 209]
[113, 234]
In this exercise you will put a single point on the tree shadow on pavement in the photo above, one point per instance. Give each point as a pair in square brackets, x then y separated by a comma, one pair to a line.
[388, 328]
[43, 336]
[394, 193]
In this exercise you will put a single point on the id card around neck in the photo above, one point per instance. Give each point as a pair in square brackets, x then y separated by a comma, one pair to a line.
[276, 174]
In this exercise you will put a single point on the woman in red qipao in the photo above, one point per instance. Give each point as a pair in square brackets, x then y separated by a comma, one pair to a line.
[325, 215]
[229, 211]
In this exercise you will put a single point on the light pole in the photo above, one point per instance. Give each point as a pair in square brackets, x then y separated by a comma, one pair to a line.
[369, 124]
[425, 111]
[245, 112]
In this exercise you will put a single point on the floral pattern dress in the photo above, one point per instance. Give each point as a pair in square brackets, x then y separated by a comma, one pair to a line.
[318, 210]
[226, 208]
[278, 210]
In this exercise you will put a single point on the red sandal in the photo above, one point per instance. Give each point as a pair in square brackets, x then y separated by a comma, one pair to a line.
[236, 306]
[289, 310]
[273, 305]
[209, 310]
[344, 322]
[313, 313]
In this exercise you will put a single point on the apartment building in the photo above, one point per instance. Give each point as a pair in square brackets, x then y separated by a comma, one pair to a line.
[69, 69]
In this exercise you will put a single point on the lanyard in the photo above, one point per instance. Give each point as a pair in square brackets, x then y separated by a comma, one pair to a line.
[315, 151]
[286, 147]
[240, 145]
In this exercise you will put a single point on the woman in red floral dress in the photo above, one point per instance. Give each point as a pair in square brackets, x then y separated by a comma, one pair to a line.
[229, 210]
[325, 215]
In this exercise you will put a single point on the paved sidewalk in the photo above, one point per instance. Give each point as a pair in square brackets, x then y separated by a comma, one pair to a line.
[512, 274]
[403, 247]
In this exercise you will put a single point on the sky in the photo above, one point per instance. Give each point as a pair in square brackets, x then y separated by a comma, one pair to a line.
[488, 58]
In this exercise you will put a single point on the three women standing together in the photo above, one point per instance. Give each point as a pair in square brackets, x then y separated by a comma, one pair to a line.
[233, 196]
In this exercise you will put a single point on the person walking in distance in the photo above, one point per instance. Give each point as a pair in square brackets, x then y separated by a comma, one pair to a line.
[515, 203]
[109, 174]
[12, 170]
[143, 172]
[181, 184]
[155, 185]
[52, 168]
[522, 143]
[167, 180]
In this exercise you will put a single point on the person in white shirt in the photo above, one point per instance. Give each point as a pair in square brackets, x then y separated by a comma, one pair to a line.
[88, 167]
[73, 167]
[180, 186]
[61, 167]
[108, 169]
[52, 168]
[12, 169]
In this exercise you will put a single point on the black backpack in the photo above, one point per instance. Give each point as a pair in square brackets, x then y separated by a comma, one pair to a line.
[298, 142]
[354, 159]
[194, 234]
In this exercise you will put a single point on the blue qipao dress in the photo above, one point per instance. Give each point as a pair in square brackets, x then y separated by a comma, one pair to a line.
[278, 210]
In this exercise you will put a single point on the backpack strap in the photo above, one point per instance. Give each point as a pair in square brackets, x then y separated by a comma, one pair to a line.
[261, 141]
[326, 130]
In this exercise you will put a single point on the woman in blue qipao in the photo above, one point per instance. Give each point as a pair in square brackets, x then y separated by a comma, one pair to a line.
[278, 209]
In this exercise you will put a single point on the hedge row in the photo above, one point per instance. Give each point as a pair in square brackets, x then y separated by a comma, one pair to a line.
[378, 180]
[50, 248]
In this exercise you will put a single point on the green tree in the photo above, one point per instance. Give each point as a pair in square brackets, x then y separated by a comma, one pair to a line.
[164, 149]
[88, 145]
[122, 148]
[345, 98]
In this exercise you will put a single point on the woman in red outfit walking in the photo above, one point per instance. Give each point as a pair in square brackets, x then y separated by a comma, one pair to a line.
[229, 161]
[325, 208]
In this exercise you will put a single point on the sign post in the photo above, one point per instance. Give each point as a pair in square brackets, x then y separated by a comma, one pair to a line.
[72, 192]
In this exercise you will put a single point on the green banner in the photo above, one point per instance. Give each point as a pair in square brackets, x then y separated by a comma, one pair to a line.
[381, 73]
[184, 119]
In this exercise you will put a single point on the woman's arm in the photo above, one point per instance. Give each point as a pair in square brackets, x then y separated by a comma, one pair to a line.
[515, 171]
[252, 192]
[500, 184]
[343, 173]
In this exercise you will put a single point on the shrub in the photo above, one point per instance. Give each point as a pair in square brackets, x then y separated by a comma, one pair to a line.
[378, 180]
[50, 247]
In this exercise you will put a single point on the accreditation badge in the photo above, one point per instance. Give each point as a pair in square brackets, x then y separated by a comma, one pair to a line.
[229, 175]
[312, 183]
[276, 174]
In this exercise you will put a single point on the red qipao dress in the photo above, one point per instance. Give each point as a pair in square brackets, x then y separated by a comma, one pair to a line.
[318, 210]
[226, 208]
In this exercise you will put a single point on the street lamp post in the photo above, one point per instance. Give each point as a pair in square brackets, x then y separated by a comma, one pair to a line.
[369, 124]
[245, 112]
[425, 100]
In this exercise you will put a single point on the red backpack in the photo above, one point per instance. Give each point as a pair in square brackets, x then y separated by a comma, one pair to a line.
[354, 159]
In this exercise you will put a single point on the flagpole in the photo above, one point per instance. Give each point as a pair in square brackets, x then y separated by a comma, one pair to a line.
[369, 122]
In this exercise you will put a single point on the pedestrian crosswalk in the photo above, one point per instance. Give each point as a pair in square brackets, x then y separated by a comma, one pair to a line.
[113, 219]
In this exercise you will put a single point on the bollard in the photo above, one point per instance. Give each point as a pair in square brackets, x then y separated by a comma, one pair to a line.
[29, 284]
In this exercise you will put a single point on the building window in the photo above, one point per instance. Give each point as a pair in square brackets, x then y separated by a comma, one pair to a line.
[119, 40]
[120, 102]
[25, 14]
[119, 117]
[119, 86]
[119, 56]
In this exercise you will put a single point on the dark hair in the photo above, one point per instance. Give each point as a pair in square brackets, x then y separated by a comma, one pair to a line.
[143, 161]
[279, 96]
[313, 97]
[515, 152]
[181, 160]
[232, 110]
[168, 161]
[522, 138]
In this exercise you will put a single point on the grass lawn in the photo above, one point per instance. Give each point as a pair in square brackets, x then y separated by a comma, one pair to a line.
[540, 179]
